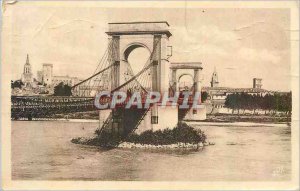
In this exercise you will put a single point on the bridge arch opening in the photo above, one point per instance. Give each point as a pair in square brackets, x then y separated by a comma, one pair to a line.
[185, 82]
[136, 55]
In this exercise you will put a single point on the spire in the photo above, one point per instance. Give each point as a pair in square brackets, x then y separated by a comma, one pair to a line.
[214, 79]
[27, 59]
[27, 67]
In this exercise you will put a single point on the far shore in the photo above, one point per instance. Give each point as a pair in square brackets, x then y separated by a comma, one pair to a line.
[62, 119]
[191, 122]
[248, 118]
[211, 119]
[239, 124]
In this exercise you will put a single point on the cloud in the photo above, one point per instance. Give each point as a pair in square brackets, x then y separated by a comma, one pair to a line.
[206, 34]
[75, 42]
[212, 41]
[264, 35]
[258, 55]
[205, 40]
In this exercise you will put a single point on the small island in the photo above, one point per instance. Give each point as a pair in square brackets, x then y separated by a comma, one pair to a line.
[181, 136]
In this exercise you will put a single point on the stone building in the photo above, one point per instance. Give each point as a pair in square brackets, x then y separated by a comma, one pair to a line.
[46, 77]
[257, 83]
[47, 74]
[71, 81]
[217, 95]
[39, 76]
[214, 79]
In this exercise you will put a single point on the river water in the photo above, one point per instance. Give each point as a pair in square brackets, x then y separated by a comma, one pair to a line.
[41, 150]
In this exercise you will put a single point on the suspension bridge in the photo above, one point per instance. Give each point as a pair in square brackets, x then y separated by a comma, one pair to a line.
[114, 73]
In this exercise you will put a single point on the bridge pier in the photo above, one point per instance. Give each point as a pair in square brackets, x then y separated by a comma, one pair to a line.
[194, 114]
[166, 118]
[103, 116]
[138, 121]
[121, 121]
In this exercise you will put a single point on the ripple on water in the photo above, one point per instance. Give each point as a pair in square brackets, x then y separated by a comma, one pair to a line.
[42, 151]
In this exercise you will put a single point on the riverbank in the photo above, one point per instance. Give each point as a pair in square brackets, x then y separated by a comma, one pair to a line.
[93, 116]
[190, 122]
[230, 118]
[220, 117]
[62, 120]
[236, 124]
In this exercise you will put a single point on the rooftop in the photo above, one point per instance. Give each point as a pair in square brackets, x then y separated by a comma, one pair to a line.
[237, 90]
[137, 28]
[139, 22]
[186, 65]
[46, 64]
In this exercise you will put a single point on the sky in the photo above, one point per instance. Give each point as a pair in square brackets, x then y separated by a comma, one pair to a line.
[240, 43]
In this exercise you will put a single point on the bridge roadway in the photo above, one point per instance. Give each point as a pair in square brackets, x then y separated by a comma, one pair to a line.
[46, 106]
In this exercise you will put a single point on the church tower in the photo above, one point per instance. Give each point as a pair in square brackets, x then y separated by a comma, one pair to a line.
[214, 79]
[27, 77]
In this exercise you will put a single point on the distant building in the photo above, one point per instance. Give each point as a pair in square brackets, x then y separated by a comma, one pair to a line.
[214, 79]
[45, 81]
[27, 77]
[47, 74]
[71, 81]
[257, 83]
[39, 76]
[46, 77]
[217, 95]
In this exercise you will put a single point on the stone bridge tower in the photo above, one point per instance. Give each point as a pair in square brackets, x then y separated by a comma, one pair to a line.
[153, 36]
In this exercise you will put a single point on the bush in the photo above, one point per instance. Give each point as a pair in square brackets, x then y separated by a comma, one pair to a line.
[181, 133]
[62, 90]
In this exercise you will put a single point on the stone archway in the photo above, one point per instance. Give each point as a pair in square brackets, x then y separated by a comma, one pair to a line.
[135, 56]
[186, 68]
[184, 85]
[131, 47]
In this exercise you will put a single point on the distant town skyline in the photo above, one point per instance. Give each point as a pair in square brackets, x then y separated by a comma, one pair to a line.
[241, 43]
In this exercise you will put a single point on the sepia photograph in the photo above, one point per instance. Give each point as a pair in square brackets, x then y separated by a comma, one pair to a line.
[137, 95]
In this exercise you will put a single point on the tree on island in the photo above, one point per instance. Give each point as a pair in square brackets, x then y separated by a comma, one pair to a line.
[181, 133]
[62, 90]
